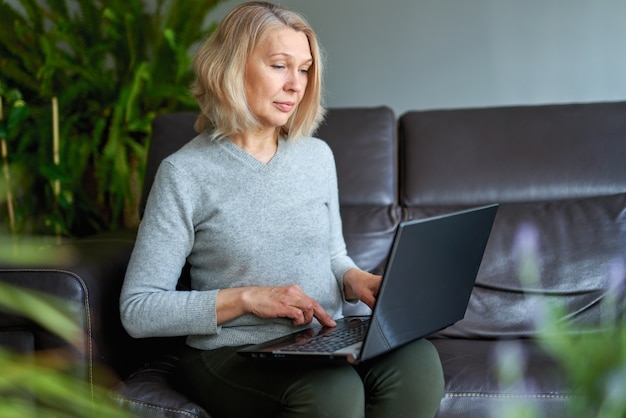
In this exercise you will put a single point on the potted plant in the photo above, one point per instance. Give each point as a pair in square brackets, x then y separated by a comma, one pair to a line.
[112, 66]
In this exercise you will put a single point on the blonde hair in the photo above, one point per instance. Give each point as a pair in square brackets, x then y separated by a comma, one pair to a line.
[220, 65]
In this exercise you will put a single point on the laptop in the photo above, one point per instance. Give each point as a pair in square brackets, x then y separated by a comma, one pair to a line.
[426, 287]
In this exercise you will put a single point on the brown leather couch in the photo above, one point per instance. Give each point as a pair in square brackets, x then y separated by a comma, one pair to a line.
[558, 172]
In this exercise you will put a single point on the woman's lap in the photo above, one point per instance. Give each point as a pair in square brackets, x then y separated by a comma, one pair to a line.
[229, 385]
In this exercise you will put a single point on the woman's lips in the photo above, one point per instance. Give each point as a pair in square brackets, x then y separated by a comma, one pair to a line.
[284, 106]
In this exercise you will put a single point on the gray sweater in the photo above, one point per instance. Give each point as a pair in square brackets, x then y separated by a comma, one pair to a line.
[238, 222]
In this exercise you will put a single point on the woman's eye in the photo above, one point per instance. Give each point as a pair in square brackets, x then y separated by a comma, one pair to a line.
[278, 66]
[304, 70]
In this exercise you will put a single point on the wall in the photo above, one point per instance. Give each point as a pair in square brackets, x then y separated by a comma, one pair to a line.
[426, 54]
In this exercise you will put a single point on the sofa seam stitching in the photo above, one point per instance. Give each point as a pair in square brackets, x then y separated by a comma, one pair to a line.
[503, 395]
[125, 400]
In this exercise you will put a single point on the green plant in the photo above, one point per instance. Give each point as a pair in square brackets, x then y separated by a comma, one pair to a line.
[43, 385]
[592, 358]
[17, 112]
[112, 65]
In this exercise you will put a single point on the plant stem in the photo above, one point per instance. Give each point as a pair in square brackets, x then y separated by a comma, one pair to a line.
[7, 176]
[56, 184]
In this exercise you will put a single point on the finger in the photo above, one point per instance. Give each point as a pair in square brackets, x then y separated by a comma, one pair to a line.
[323, 317]
[306, 306]
[308, 315]
[370, 299]
[297, 316]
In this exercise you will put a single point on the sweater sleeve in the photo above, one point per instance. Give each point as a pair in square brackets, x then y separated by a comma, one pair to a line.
[340, 261]
[150, 305]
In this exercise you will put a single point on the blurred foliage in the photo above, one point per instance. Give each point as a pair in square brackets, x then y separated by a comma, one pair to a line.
[33, 251]
[592, 357]
[113, 65]
[42, 384]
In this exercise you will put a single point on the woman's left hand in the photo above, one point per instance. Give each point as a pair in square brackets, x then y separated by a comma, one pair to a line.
[361, 285]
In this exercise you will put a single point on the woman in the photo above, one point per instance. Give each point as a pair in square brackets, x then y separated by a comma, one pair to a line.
[252, 205]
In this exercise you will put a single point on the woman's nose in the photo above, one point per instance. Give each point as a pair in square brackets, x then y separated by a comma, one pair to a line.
[296, 81]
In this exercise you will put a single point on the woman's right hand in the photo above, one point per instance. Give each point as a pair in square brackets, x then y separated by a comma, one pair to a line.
[271, 302]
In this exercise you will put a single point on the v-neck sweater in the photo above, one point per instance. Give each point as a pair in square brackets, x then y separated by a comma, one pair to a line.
[237, 222]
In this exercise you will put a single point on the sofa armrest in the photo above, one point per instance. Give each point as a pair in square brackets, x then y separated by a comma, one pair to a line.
[86, 275]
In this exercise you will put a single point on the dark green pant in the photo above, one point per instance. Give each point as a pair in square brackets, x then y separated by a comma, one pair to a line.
[407, 382]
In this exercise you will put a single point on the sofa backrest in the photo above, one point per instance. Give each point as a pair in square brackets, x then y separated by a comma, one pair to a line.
[559, 174]
[513, 154]
[364, 143]
[170, 131]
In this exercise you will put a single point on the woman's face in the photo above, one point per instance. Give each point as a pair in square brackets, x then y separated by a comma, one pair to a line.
[277, 76]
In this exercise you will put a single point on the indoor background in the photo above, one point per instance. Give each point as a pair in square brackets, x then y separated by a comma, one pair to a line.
[432, 54]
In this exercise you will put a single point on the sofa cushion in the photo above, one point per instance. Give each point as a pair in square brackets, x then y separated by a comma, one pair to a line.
[576, 245]
[476, 386]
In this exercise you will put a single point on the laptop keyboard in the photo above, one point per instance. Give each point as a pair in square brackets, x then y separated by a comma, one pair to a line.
[334, 340]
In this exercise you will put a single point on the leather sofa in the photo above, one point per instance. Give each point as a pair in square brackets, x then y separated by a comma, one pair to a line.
[557, 171]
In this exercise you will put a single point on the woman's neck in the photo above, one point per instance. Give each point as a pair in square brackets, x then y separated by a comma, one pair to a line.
[260, 145]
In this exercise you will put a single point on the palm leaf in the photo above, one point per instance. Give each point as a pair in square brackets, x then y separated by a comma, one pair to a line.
[113, 67]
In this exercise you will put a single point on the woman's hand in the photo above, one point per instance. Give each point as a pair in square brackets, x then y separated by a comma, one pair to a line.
[271, 302]
[361, 285]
